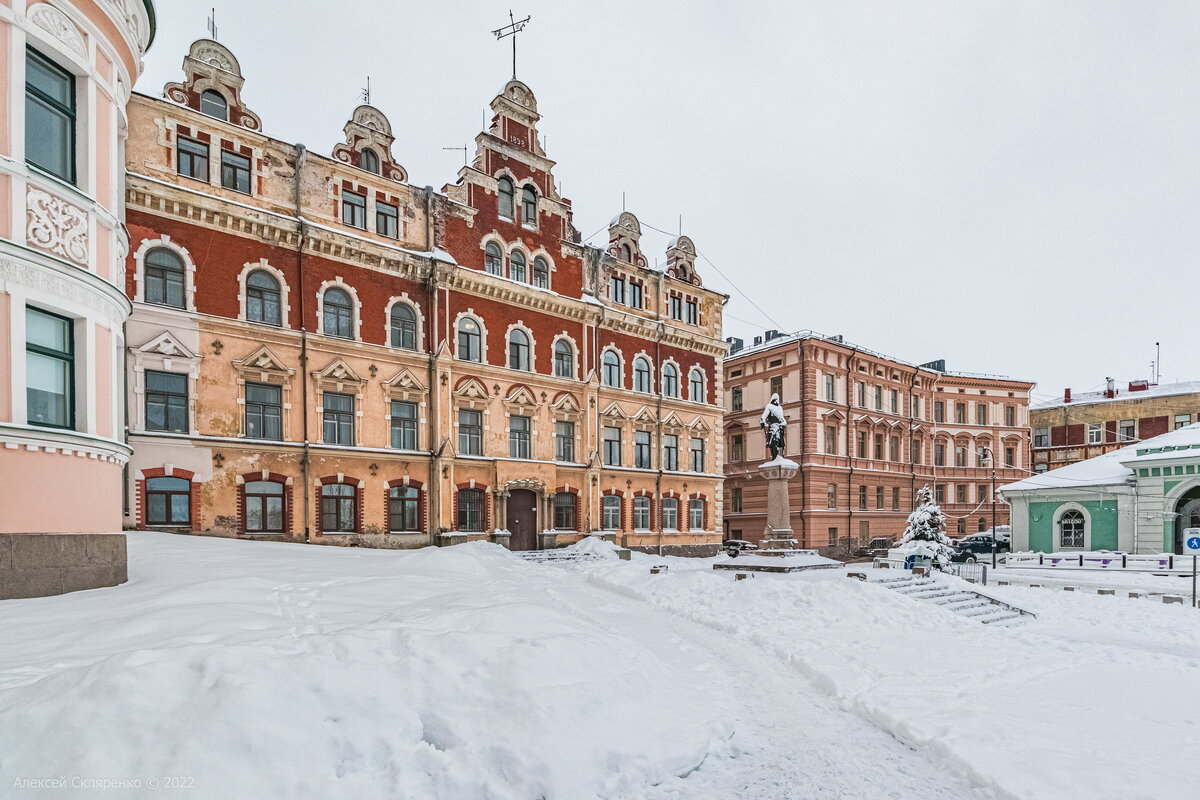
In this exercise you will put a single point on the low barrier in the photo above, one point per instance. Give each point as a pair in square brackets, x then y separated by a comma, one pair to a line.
[1133, 562]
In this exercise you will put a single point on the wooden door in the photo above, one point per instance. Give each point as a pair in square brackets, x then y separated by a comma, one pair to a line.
[521, 519]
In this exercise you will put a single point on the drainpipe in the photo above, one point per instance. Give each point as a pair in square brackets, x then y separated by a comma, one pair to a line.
[302, 229]
[803, 440]
[432, 335]
[850, 447]
[657, 518]
[912, 424]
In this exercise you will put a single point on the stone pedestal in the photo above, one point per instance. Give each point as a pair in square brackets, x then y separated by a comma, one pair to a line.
[44, 564]
[502, 538]
[777, 537]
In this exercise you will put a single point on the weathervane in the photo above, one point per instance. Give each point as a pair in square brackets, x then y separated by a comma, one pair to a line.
[513, 27]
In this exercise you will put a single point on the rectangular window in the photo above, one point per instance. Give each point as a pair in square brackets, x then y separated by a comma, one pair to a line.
[894, 449]
[470, 432]
[879, 498]
[616, 289]
[697, 450]
[960, 493]
[982, 493]
[939, 411]
[191, 159]
[564, 441]
[641, 513]
[49, 369]
[1182, 421]
[564, 512]
[693, 312]
[914, 451]
[49, 116]
[676, 305]
[635, 294]
[518, 436]
[387, 220]
[1041, 437]
[915, 407]
[981, 414]
[670, 514]
[939, 455]
[235, 172]
[338, 418]
[830, 388]
[736, 401]
[737, 451]
[354, 209]
[960, 413]
[895, 498]
[264, 411]
[1095, 433]
[470, 509]
[1010, 456]
[696, 514]
[735, 499]
[670, 451]
[612, 447]
[610, 512]
[862, 498]
[641, 449]
[960, 456]
[1010, 416]
[939, 493]
[879, 398]
[166, 402]
[894, 400]
[879, 447]
[1126, 431]
[831, 535]
[862, 395]
[777, 386]
[831, 495]
[404, 425]
[831, 436]
[861, 444]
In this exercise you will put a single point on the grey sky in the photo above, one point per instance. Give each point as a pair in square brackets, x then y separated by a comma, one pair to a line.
[1013, 186]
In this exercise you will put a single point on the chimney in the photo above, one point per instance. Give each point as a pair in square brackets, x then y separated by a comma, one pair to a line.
[771, 334]
[757, 340]
[1110, 390]
[1139, 386]
[735, 344]
[837, 339]
[1067, 395]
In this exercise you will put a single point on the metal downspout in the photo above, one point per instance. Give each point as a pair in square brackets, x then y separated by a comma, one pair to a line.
[302, 228]
[432, 334]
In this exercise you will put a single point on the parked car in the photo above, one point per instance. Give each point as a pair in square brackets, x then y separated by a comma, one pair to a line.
[973, 548]
[735, 547]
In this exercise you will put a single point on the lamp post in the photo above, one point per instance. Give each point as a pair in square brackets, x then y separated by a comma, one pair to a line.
[992, 458]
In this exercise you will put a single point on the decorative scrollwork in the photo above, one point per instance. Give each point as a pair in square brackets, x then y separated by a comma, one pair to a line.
[57, 226]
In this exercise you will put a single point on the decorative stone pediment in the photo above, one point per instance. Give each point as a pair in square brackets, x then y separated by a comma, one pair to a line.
[565, 403]
[672, 420]
[338, 371]
[699, 425]
[211, 65]
[645, 416]
[166, 344]
[471, 392]
[262, 364]
[614, 411]
[369, 128]
[519, 394]
[404, 385]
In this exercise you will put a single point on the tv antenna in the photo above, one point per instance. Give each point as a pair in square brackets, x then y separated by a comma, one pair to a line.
[366, 92]
[513, 27]
[464, 152]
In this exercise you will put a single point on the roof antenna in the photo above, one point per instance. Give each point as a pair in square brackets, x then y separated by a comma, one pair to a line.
[464, 152]
[622, 200]
[1157, 363]
[212, 24]
[366, 93]
[513, 27]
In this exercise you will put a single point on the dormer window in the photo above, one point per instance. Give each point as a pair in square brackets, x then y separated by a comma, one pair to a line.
[368, 160]
[529, 207]
[504, 190]
[213, 104]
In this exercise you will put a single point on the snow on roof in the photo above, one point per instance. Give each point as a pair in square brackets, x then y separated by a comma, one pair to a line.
[1112, 467]
[1122, 395]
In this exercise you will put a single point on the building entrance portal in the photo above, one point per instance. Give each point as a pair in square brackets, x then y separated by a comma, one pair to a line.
[1188, 508]
[521, 519]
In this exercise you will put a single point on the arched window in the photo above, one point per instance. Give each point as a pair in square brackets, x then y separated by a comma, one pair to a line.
[339, 508]
[493, 259]
[470, 509]
[1072, 525]
[368, 159]
[982, 524]
[404, 327]
[529, 207]
[163, 278]
[670, 513]
[504, 190]
[516, 266]
[263, 298]
[518, 350]
[670, 380]
[338, 312]
[696, 385]
[564, 359]
[541, 273]
[612, 369]
[404, 509]
[610, 512]
[469, 340]
[626, 253]
[168, 501]
[641, 375]
[264, 507]
[213, 104]
[641, 513]
[961, 527]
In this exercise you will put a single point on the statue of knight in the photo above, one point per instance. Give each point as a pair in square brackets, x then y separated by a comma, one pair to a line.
[774, 423]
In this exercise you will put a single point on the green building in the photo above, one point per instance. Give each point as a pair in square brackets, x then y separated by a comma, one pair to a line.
[1135, 500]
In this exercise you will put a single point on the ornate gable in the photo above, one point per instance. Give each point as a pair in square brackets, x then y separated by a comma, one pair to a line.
[210, 65]
[516, 117]
[404, 386]
[565, 402]
[681, 260]
[624, 239]
[166, 344]
[471, 392]
[338, 371]
[369, 128]
[614, 411]
[699, 425]
[645, 416]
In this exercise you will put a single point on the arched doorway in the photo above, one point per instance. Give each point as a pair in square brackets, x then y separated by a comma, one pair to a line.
[1188, 508]
[521, 519]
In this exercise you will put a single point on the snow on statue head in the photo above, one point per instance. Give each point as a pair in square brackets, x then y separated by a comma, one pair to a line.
[925, 532]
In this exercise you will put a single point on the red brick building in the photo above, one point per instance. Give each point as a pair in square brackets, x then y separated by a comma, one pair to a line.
[321, 351]
[868, 430]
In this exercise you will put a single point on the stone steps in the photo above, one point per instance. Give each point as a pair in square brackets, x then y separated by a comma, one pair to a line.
[964, 602]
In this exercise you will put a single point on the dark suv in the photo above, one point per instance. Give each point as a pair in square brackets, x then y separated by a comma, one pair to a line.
[973, 549]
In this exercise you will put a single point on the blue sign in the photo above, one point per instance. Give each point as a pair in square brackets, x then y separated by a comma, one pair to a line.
[1194, 543]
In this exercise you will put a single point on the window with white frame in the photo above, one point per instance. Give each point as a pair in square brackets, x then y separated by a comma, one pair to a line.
[641, 375]
[519, 350]
[1095, 433]
[696, 514]
[641, 513]
[610, 508]
[564, 359]
[1071, 530]
[670, 513]
[612, 369]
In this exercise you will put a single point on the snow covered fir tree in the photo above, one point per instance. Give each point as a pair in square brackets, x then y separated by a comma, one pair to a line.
[925, 532]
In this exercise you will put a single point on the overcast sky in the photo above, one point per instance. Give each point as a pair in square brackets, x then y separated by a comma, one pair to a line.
[1011, 186]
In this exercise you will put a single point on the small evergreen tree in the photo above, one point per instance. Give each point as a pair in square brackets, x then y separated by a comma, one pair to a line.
[926, 530]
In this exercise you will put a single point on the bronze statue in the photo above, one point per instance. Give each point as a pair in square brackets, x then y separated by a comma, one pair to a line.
[774, 424]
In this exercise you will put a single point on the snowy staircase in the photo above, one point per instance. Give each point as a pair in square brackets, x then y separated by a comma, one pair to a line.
[964, 602]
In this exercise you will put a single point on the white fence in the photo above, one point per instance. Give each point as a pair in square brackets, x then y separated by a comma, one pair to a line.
[1104, 560]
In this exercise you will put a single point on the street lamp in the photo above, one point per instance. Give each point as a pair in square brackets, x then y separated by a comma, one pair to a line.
[991, 456]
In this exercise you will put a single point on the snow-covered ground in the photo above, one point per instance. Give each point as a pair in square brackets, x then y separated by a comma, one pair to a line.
[247, 669]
